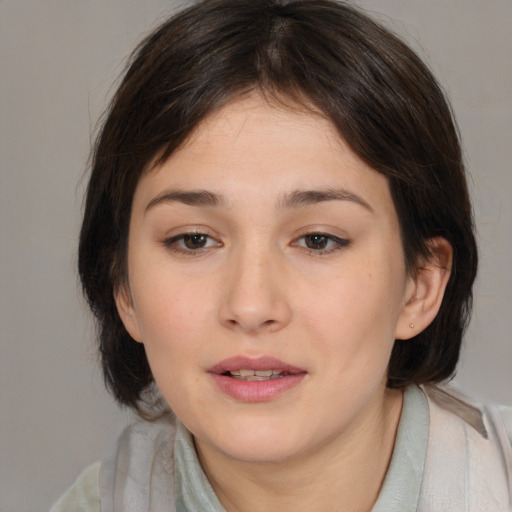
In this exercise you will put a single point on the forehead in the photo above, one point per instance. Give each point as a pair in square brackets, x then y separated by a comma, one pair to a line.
[254, 149]
[252, 125]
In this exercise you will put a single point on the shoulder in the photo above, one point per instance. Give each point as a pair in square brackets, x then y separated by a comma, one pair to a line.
[474, 413]
[140, 471]
[469, 454]
[506, 414]
[84, 494]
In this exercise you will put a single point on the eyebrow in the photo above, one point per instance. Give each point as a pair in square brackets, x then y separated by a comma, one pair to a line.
[302, 198]
[292, 200]
[190, 197]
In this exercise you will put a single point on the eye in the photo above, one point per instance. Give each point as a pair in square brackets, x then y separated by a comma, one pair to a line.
[195, 241]
[316, 241]
[321, 243]
[191, 242]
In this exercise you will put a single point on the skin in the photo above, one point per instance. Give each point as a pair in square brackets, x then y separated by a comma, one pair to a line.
[320, 284]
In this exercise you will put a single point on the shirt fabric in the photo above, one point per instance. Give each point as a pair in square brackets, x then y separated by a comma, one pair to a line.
[179, 481]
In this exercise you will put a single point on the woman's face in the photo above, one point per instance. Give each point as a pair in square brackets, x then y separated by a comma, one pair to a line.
[266, 245]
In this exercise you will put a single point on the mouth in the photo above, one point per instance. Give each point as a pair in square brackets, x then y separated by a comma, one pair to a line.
[261, 368]
[250, 375]
[255, 380]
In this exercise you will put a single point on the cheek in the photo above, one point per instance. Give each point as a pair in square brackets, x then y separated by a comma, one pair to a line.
[354, 298]
[168, 302]
[354, 316]
[172, 318]
[173, 323]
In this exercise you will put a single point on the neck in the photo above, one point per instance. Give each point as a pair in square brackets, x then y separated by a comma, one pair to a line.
[344, 473]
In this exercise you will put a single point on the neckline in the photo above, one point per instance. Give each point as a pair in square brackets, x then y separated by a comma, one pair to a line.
[399, 493]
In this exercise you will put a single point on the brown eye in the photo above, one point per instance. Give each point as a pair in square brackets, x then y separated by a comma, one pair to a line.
[191, 243]
[316, 241]
[195, 241]
[321, 243]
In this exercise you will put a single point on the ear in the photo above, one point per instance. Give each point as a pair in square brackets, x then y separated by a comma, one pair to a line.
[124, 304]
[425, 290]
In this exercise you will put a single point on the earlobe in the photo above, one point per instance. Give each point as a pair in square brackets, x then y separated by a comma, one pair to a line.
[425, 290]
[124, 304]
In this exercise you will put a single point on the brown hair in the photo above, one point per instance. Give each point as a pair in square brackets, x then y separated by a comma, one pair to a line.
[321, 54]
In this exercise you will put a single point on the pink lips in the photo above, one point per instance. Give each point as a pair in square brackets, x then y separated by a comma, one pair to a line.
[260, 390]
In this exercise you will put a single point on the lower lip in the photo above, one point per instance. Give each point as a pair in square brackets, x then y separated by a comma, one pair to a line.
[256, 390]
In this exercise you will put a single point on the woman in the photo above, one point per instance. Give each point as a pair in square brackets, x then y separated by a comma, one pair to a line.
[278, 246]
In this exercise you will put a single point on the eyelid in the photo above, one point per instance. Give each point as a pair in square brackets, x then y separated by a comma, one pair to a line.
[171, 242]
[339, 242]
[190, 229]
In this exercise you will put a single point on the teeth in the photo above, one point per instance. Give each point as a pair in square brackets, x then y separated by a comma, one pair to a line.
[249, 375]
[263, 373]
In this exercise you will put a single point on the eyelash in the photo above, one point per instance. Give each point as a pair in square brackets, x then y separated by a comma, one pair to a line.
[172, 243]
[336, 243]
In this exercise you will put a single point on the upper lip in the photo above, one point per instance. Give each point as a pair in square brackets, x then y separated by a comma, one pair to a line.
[259, 363]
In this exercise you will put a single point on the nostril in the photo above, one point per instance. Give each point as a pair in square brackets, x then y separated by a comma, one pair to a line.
[252, 313]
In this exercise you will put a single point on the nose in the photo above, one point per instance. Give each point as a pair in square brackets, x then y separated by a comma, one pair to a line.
[255, 299]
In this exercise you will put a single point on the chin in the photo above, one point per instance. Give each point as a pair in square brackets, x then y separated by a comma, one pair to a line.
[261, 451]
[258, 442]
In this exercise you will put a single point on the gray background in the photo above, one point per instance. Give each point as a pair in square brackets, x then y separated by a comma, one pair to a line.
[58, 60]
